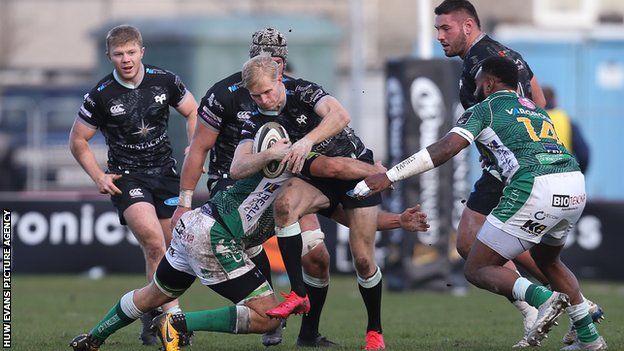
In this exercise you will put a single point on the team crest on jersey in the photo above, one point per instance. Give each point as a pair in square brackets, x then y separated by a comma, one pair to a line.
[526, 103]
[117, 110]
[160, 98]
[301, 120]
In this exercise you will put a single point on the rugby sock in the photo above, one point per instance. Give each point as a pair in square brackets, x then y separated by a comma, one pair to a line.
[317, 293]
[536, 295]
[122, 314]
[290, 244]
[261, 261]
[585, 328]
[370, 289]
[232, 319]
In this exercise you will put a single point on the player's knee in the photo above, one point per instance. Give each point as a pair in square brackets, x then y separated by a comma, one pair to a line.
[471, 272]
[364, 265]
[463, 248]
[154, 251]
[316, 261]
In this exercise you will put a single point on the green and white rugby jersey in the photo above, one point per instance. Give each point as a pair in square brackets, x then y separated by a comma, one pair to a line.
[246, 208]
[517, 134]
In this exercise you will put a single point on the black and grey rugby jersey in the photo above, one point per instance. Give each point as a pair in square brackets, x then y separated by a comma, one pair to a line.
[298, 118]
[134, 121]
[481, 50]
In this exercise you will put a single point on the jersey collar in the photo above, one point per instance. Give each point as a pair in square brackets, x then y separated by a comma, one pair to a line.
[127, 84]
[503, 92]
[481, 36]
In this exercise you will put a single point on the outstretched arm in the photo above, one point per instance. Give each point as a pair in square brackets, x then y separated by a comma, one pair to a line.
[433, 156]
[412, 219]
[344, 168]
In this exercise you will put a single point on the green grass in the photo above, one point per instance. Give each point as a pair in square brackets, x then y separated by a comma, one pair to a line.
[49, 310]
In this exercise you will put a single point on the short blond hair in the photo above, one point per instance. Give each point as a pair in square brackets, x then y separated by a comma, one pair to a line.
[121, 35]
[258, 67]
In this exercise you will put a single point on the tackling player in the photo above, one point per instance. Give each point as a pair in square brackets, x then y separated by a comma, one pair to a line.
[317, 122]
[209, 242]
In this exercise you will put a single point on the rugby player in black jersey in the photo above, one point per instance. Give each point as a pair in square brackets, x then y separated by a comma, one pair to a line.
[131, 108]
[317, 122]
[459, 33]
[222, 111]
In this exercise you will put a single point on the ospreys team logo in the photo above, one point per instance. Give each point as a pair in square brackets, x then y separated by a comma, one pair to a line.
[160, 98]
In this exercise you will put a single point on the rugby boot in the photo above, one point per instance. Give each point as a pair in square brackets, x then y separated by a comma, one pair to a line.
[529, 314]
[598, 344]
[293, 304]
[275, 337]
[547, 315]
[148, 335]
[597, 314]
[374, 341]
[170, 328]
[85, 342]
[318, 341]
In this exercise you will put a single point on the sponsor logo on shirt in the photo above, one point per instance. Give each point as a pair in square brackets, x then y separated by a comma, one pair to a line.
[117, 110]
[526, 103]
[172, 201]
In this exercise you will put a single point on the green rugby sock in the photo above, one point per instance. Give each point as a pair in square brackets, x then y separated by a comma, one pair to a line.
[113, 321]
[586, 330]
[537, 295]
[219, 320]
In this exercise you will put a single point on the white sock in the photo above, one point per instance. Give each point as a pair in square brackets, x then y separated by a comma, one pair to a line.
[578, 312]
[173, 310]
[128, 307]
[520, 287]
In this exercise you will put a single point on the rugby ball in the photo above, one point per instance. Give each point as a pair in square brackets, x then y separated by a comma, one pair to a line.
[266, 136]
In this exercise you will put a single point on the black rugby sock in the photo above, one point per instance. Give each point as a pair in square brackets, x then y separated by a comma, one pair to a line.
[290, 248]
[372, 301]
[310, 322]
[261, 261]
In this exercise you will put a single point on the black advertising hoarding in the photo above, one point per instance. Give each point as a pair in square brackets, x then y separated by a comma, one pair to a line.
[421, 105]
[68, 236]
[593, 249]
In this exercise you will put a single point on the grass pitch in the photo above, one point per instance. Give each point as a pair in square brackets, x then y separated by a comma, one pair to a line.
[48, 311]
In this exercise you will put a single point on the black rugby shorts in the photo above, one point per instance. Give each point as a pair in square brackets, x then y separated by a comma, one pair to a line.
[486, 194]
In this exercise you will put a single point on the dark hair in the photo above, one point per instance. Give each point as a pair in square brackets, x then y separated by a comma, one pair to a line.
[448, 6]
[501, 68]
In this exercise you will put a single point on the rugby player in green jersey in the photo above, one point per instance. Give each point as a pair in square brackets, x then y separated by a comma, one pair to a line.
[209, 242]
[543, 198]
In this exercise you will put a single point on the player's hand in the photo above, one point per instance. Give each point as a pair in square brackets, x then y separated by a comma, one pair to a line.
[106, 184]
[279, 149]
[413, 220]
[372, 185]
[296, 157]
[380, 167]
[179, 211]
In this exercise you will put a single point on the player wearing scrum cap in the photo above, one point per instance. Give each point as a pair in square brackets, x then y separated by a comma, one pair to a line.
[222, 112]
